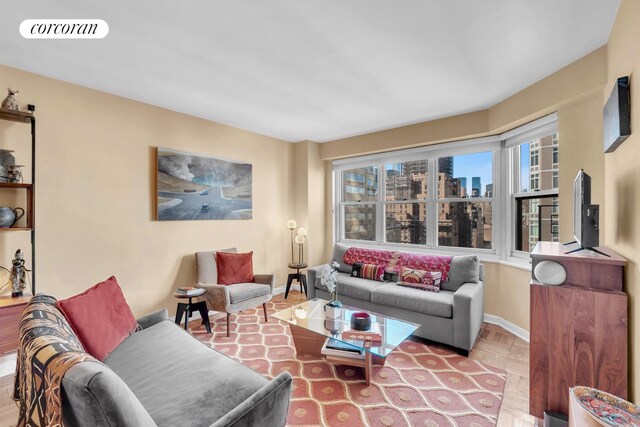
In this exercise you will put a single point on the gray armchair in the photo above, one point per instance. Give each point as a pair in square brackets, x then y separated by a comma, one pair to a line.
[231, 298]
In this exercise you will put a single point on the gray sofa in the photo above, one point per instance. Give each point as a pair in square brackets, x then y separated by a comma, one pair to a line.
[452, 316]
[162, 376]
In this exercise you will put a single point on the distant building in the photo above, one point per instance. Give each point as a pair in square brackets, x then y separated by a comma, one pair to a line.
[445, 166]
[488, 192]
[476, 187]
[543, 175]
[463, 186]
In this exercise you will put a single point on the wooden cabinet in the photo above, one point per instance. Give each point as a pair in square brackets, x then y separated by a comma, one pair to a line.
[10, 311]
[578, 329]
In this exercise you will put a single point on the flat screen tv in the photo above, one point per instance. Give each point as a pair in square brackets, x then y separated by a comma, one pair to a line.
[586, 230]
[617, 115]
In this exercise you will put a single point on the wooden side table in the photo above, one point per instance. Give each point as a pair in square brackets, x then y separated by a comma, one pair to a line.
[188, 308]
[300, 277]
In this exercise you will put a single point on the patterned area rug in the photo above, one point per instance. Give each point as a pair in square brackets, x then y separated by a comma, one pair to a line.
[420, 385]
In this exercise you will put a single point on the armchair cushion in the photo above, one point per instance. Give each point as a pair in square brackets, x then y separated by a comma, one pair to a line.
[245, 291]
[234, 268]
[206, 265]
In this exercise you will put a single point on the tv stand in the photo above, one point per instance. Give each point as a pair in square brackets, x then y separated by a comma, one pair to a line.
[570, 243]
[579, 330]
[582, 248]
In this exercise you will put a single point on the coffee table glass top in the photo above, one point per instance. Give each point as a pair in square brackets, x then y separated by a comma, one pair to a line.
[310, 315]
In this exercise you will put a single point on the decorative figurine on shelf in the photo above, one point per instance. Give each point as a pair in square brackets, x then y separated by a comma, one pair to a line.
[10, 102]
[18, 275]
[14, 173]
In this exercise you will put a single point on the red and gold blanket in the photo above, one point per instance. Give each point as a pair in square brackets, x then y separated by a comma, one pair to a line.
[48, 348]
[393, 261]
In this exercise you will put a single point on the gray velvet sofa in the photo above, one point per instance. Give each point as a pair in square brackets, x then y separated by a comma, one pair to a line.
[162, 376]
[452, 316]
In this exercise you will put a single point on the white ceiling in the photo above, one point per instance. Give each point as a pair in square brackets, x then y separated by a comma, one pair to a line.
[310, 69]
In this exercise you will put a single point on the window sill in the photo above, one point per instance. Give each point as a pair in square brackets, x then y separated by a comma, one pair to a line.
[485, 255]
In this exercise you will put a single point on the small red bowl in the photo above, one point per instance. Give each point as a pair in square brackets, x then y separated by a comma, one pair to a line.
[361, 321]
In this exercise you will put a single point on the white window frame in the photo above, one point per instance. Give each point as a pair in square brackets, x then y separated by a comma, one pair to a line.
[538, 128]
[430, 154]
[504, 198]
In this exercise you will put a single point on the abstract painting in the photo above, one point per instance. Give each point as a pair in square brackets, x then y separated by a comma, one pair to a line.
[198, 187]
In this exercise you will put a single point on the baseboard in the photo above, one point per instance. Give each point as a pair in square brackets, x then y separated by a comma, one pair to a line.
[510, 327]
[279, 290]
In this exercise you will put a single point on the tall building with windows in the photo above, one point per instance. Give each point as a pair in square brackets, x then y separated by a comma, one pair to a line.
[360, 185]
[476, 187]
[540, 220]
[445, 166]
[463, 186]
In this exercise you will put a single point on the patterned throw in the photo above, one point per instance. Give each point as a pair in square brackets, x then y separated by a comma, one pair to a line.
[420, 384]
[393, 261]
[48, 348]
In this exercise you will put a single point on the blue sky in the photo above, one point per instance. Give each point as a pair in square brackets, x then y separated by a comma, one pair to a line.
[524, 166]
[477, 164]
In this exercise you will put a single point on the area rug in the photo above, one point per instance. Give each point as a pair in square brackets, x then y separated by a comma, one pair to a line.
[420, 385]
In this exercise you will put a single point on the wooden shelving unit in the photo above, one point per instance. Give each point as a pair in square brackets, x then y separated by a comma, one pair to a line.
[25, 117]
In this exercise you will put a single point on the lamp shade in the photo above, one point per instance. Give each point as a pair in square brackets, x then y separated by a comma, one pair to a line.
[302, 231]
[299, 239]
[291, 224]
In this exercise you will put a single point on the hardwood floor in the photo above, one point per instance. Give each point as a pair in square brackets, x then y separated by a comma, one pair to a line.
[495, 347]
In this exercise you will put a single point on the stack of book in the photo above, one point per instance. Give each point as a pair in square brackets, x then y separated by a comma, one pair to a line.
[373, 334]
[333, 347]
[189, 291]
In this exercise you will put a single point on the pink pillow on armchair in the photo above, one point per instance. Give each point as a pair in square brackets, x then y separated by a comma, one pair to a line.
[100, 317]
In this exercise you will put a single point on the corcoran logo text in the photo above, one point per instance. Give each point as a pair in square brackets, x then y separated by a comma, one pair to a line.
[64, 29]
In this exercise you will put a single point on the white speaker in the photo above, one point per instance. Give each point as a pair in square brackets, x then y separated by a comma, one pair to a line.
[550, 273]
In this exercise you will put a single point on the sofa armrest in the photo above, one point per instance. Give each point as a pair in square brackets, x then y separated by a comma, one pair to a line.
[266, 279]
[468, 314]
[266, 407]
[312, 274]
[217, 296]
[153, 318]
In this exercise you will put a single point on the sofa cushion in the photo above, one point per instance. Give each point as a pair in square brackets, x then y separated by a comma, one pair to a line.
[353, 287]
[179, 380]
[234, 268]
[100, 317]
[464, 269]
[436, 304]
[338, 256]
[246, 291]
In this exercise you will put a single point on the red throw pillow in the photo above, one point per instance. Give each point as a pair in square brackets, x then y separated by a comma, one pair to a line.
[100, 317]
[234, 268]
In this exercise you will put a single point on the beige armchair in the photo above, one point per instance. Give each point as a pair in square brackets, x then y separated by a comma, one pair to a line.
[231, 298]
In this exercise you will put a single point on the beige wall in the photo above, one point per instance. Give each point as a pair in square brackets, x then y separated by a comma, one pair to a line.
[575, 93]
[95, 193]
[622, 175]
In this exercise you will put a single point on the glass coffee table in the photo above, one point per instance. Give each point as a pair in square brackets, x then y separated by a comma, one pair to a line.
[310, 329]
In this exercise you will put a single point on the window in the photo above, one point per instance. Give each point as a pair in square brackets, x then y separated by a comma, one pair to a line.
[359, 190]
[406, 182]
[462, 223]
[456, 197]
[534, 169]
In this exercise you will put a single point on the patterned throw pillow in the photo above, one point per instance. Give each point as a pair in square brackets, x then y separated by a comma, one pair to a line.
[420, 279]
[368, 271]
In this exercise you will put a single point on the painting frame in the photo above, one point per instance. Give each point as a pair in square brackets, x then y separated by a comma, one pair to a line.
[196, 186]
